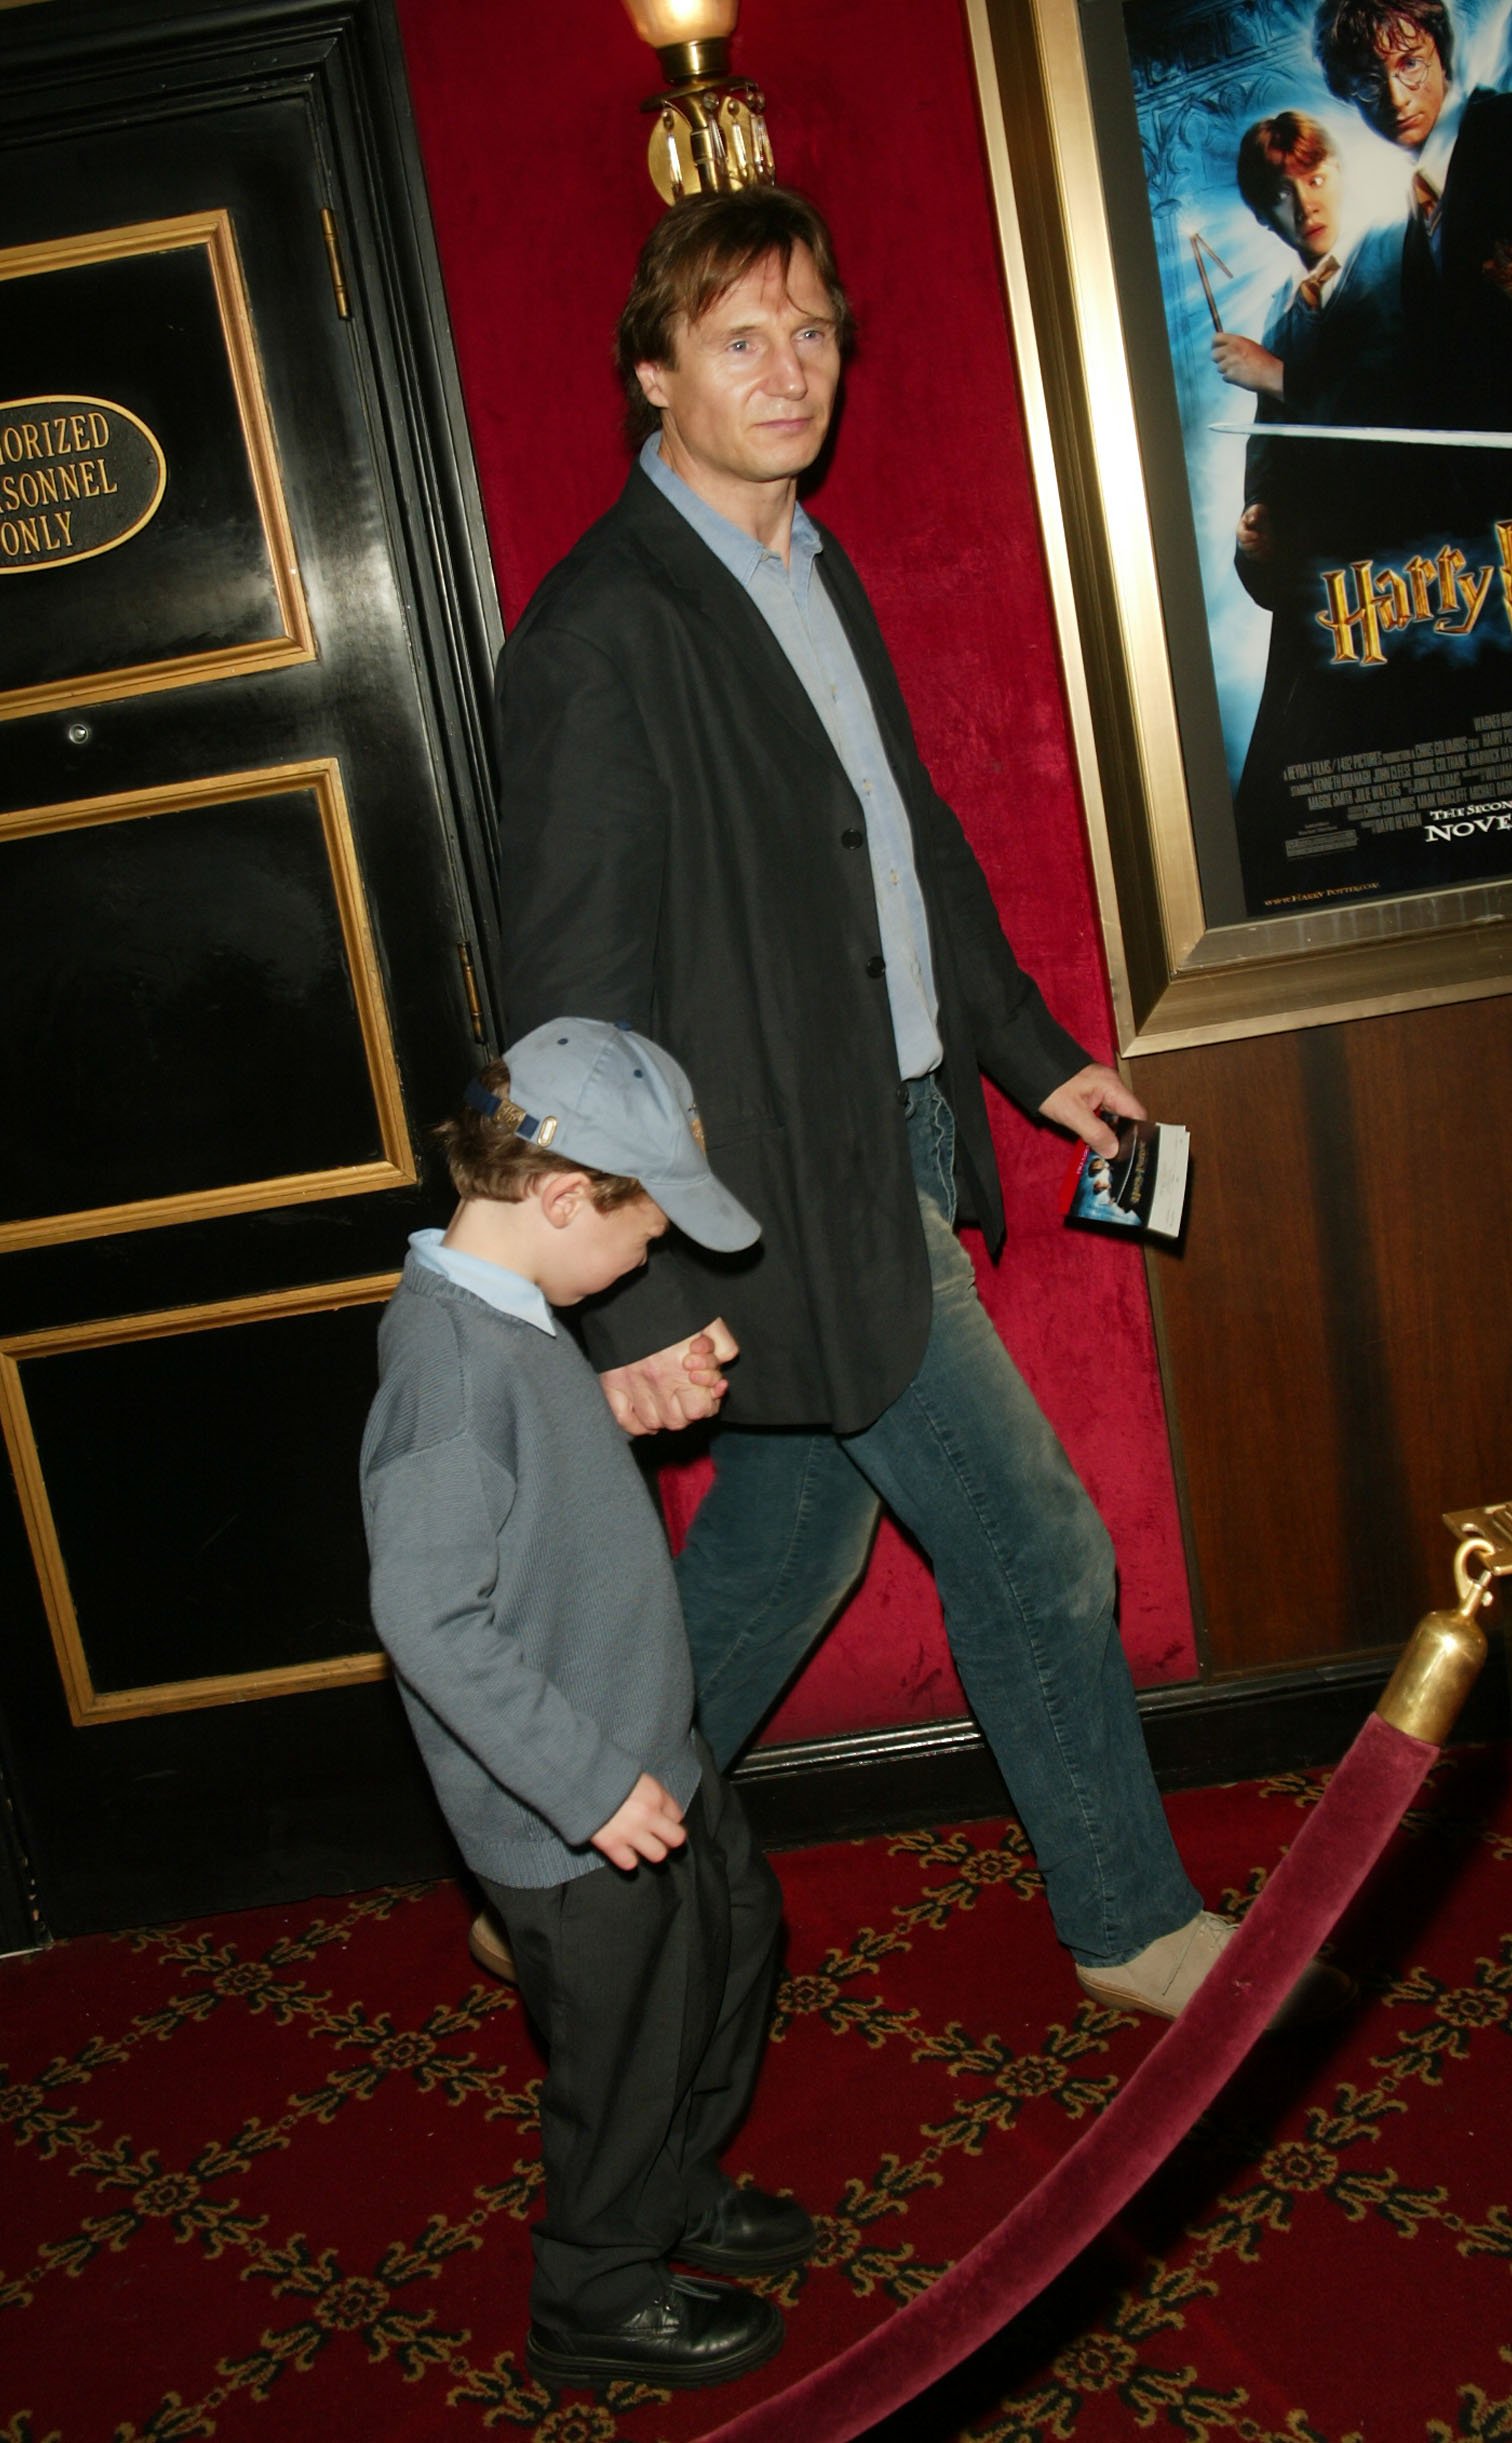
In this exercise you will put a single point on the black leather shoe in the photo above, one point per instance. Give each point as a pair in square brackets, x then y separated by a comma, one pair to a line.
[691, 2333]
[748, 2231]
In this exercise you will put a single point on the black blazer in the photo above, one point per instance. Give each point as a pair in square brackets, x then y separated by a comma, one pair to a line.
[1459, 309]
[681, 849]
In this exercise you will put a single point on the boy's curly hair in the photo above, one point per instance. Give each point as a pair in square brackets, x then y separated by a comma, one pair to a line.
[487, 1160]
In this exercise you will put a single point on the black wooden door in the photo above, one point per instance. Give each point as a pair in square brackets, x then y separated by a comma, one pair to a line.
[243, 638]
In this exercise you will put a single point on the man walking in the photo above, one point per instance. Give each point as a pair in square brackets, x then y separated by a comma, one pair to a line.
[716, 827]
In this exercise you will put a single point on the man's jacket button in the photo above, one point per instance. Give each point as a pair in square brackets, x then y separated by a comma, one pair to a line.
[852, 838]
[876, 967]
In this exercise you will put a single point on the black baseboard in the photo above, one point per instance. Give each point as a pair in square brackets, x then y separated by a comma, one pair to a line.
[1198, 1734]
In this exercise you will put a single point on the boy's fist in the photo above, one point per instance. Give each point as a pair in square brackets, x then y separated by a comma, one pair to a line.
[645, 1825]
[673, 1387]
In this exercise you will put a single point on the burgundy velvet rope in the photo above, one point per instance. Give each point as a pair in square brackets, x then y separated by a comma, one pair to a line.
[1334, 1851]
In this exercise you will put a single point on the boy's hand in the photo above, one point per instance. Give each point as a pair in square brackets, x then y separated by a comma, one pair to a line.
[1080, 1102]
[707, 1353]
[677, 1386]
[1249, 366]
[646, 1825]
[1255, 534]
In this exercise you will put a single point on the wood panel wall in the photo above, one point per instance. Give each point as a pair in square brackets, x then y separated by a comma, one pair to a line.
[1337, 1326]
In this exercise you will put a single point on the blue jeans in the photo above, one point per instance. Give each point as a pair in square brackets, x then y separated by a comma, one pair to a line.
[1024, 1569]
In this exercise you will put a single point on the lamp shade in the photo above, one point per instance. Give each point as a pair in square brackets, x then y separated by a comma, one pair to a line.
[663, 23]
[710, 134]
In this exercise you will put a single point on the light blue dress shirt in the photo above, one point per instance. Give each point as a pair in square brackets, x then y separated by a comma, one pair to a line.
[796, 607]
[509, 1291]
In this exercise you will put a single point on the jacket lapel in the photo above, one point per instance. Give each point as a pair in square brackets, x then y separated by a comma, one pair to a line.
[687, 561]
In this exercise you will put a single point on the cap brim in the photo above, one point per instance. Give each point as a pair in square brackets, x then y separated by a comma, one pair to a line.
[708, 1214]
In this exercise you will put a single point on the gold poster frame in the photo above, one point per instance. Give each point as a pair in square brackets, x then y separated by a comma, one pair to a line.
[86, 1704]
[1176, 979]
[295, 641]
[397, 1169]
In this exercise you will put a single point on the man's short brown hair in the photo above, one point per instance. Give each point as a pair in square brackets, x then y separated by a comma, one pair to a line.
[695, 253]
[1348, 35]
[1290, 142]
[487, 1160]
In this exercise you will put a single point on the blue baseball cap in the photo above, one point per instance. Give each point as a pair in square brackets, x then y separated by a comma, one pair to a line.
[599, 1094]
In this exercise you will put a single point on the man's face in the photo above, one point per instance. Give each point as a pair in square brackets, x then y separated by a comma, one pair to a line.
[1402, 95]
[1306, 207]
[748, 397]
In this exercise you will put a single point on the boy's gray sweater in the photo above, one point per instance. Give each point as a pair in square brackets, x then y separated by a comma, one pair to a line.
[520, 1582]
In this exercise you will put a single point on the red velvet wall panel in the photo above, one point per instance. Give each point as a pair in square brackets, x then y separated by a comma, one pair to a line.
[534, 155]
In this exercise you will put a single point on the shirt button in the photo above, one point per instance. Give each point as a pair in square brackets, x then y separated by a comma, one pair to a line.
[876, 967]
[852, 838]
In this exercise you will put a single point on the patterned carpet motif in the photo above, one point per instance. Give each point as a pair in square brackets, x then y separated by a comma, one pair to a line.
[269, 2178]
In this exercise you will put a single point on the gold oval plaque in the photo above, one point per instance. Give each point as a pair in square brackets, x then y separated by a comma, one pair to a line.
[77, 476]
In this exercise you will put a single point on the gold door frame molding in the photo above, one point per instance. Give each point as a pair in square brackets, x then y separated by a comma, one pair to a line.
[322, 777]
[1176, 979]
[295, 641]
[86, 1704]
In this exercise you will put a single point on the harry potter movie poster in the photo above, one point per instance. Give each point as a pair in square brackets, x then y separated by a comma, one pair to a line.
[1331, 193]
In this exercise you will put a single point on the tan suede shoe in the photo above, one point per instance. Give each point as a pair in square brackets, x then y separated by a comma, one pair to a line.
[1163, 1977]
[485, 1940]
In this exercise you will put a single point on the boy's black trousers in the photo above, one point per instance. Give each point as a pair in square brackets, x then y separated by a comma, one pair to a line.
[652, 1991]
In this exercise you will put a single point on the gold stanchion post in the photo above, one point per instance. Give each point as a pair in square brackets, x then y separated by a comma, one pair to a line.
[1446, 1650]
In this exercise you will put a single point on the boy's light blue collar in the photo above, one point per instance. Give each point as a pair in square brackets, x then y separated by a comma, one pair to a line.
[509, 1291]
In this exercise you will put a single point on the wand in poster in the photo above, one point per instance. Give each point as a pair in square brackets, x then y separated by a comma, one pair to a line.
[1200, 247]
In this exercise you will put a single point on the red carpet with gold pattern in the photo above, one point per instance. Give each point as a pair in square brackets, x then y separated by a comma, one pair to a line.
[270, 2177]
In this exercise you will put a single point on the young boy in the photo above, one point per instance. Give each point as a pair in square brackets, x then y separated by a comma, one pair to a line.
[521, 1584]
[1333, 348]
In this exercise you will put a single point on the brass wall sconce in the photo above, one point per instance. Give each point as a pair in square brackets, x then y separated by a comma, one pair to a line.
[710, 134]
